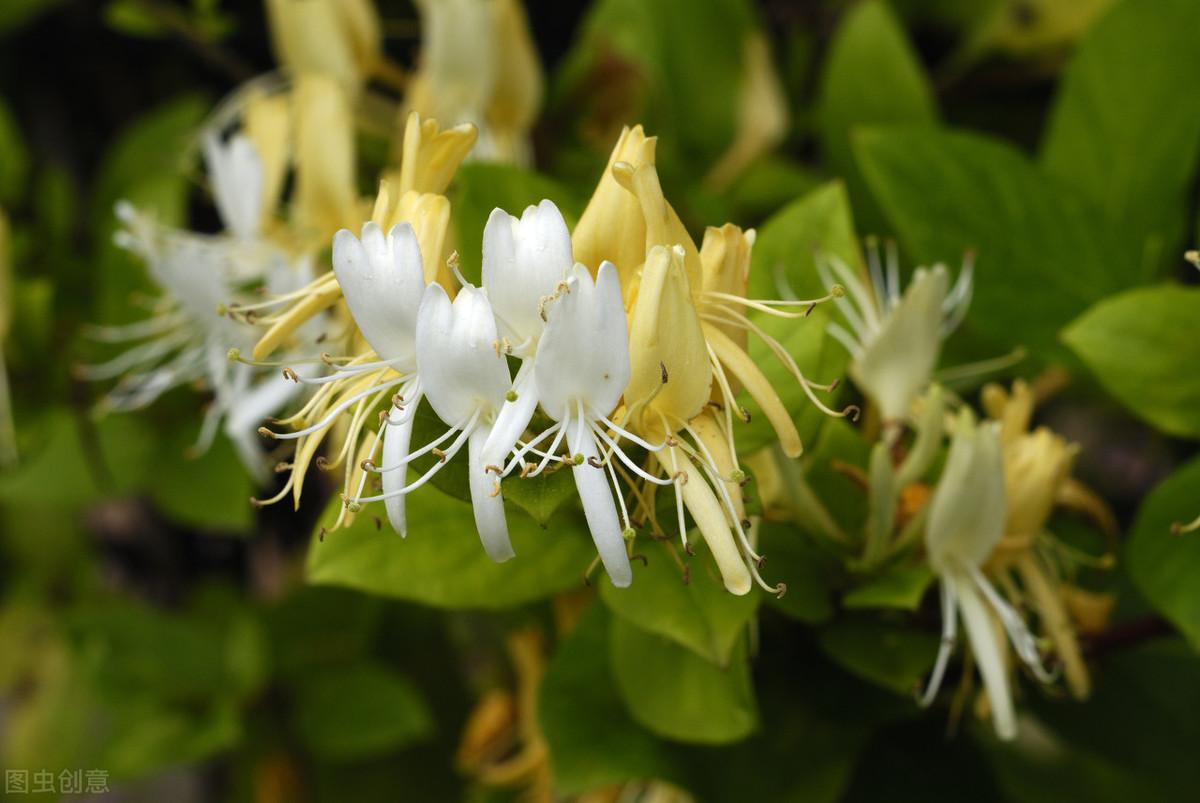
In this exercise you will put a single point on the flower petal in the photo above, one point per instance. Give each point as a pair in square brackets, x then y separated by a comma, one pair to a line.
[486, 500]
[461, 367]
[397, 436]
[382, 280]
[523, 261]
[598, 507]
[236, 175]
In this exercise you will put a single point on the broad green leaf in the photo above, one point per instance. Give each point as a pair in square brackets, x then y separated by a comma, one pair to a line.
[1125, 128]
[315, 628]
[674, 65]
[479, 188]
[677, 694]
[783, 267]
[358, 711]
[1164, 567]
[143, 736]
[696, 612]
[1043, 253]
[14, 158]
[872, 77]
[130, 17]
[887, 654]
[900, 587]
[442, 563]
[1144, 345]
[593, 741]
[792, 558]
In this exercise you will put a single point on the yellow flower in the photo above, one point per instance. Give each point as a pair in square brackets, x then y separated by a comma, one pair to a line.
[341, 39]
[326, 196]
[478, 65]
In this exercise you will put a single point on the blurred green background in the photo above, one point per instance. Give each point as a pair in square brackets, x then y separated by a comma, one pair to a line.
[158, 628]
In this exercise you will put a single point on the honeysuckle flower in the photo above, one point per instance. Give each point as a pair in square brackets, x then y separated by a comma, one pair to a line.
[967, 516]
[187, 340]
[524, 262]
[325, 197]
[338, 38]
[894, 339]
[582, 371]
[1037, 467]
[612, 208]
[410, 194]
[478, 65]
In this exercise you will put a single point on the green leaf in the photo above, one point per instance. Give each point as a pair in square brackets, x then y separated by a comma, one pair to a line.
[795, 560]
[479, 188]
[872, 76]
[142, 737]
[783, 267]
[1125, 128]
[211, 491]
[1043, 253]
[901, 587]
[442, 563]
[884, 653]
[14, 158]
[358, 711]
[674, 65]
[677, 694]
[593, 741]
[130, 17]
[1144, 346]
[1164, 567]
[697, 613]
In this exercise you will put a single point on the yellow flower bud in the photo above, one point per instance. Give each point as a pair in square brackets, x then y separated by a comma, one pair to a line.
[671, 375]
[612, 226]
[267, 122]
[429, 156]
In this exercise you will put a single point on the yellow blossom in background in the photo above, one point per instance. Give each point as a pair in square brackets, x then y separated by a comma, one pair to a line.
[341, 39]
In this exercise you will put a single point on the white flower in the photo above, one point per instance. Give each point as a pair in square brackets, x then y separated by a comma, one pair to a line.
[187, 340]
[582, 370]
[895, 339]
[967, 517]
[465, 379]
[524, 262]
[383, 279]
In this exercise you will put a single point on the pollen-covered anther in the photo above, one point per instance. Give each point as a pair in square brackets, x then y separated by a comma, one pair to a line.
[662, 366]
[780, 590]
[322, 463]
[441, 456]
[289, 373]
[266, 433]
[282, 466]
[744, 414]
[681, 477]
[496, 488]
[494, 469]
[595, 462]
[369, 466]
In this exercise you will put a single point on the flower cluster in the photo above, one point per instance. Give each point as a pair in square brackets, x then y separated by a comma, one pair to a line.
[628, 338]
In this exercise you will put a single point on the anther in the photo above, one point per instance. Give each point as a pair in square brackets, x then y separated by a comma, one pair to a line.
[645, 561]
[378, 522]
[368, 466]
[744, 414]
[397, 401]
[495, 489]
[233, 355]
[662, 366]
[441, 456]
[780, 590]
[745, 524]
[288, 373]
[681, 477]
[282, 466]
[853, 411]
[835, 384]
[1193, 257]
[491, 469]
[595, 462]
[321, 536]
[266, 433]
[322, 463]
